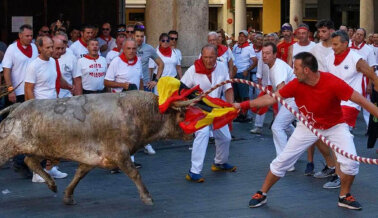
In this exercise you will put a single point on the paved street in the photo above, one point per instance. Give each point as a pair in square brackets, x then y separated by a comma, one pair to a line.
[102, 194]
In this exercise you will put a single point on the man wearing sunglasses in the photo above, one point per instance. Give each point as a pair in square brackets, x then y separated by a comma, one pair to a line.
[105, 40]
[44, 31]
[129, 32]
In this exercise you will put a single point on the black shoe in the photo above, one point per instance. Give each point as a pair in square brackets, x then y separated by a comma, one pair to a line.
[23, 170]
[115, 171]
[349, 202]
[257, 200]
[137, 165]
[309, 169]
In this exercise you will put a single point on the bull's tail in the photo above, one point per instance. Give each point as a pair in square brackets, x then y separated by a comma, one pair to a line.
[9, 108]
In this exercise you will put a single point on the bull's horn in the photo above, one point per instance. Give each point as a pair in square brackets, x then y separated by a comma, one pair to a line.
[186, 103]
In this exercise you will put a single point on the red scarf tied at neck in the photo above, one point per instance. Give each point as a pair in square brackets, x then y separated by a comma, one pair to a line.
[357, 47]
[256, 49]
[221, 50]
[124, 59]
[28, 51]
[167, 52]
[106, 39]
[83, 43]
[245, 44]
[201, 69]
[340, 57]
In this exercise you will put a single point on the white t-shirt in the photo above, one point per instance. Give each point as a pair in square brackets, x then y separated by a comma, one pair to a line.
[43, 75]
[15, 60]
[79, 49]
[375, 49]
[263, 73]
[170, 64]
[258, 56]
[220, 74]
[298, 48]
[67, 65]
[121, 72]
[92, 72]
[347, 71]
[111, 44]
[242, 57]
[367, 53]
[111, 55]
[226, 57]
[280, 72]
[70, 42]
[321, 53]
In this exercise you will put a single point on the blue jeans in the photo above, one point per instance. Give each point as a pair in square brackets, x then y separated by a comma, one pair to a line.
[241, 90]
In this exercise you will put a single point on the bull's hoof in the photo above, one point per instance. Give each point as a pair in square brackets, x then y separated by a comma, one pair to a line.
[69, 201]
[148, 201]
[53, 188]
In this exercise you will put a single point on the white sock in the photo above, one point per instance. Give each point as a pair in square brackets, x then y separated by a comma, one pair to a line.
[132, 158]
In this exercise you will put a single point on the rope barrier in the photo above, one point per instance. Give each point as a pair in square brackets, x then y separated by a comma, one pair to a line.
[297, 115]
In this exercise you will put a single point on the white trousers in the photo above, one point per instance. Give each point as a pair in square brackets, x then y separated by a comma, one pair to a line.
[303, 138]
[366, 113]
[259, 120]
[282, 127]
[222, 138]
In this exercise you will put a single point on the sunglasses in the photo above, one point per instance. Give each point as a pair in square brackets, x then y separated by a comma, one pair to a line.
[129, 32]
[173, 39]
[105, 29]
[45, 31]
[121, 30]
[167, 40]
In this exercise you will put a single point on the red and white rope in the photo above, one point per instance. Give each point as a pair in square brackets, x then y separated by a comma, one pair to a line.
[298, 115]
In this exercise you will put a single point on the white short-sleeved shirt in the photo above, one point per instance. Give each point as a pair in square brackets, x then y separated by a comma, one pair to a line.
[178, 54]
[220, 74]
[347, 71]
[43, 75]
[152, 65]
[299, 48]
[242, 57]
[111, 44]
[1, 67]
[367, 53]
[280, 72]
[170, 64]
[111, 55]
[226, 57]
[375, 49]
[67, 65]
[321, 53]
[121, 72]
[15, 60]
[92, 72]
[258, 56]
[263, 73]
[79, 49]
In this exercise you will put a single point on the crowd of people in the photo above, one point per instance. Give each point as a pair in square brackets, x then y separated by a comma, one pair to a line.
[327, 78]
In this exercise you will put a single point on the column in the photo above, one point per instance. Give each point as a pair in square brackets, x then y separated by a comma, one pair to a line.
[190, 18]
[240, 16]
[367, 15]
[296, 12]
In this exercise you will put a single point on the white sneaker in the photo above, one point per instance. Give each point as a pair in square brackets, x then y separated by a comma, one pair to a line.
[292, 169]
[256, 130]
[56, 174]
[149, 150]
[37, 178]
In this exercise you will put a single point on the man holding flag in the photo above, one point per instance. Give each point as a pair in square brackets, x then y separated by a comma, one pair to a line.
[207, 72]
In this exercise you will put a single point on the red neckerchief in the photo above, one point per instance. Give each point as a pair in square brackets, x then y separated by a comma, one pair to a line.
[256, 50]
[107, 40]
[167, 52]
[375, 45]
[357, 47]
[245, 44]
[115, 49]
[91, 58]
[221, 50]
[340, 57]
[83, 43]
[124, 59]
[59, 75]
[28, 51]
[200, 68]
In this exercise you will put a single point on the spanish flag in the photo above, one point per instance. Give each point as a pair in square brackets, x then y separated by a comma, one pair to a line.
[209, 111]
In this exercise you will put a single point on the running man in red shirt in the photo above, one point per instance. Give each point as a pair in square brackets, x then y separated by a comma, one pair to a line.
[318, 97]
